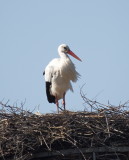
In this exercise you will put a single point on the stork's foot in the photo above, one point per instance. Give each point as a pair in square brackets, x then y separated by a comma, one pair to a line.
[63, 102]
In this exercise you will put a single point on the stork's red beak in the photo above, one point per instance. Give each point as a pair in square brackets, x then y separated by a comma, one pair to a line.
[74, 55]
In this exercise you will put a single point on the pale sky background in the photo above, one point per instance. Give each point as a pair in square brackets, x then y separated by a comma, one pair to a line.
[96, 30]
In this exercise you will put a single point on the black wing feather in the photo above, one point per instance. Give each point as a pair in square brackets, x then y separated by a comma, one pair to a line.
[51, 98]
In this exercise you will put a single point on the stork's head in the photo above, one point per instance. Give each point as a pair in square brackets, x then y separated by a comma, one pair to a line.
[65, 49]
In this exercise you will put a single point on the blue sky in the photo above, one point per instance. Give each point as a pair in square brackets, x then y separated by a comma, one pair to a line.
[97, 31]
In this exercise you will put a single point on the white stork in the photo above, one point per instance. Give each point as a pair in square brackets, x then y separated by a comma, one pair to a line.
[58, 75]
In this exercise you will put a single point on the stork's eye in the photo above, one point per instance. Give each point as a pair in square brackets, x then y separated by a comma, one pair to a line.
[65, 48]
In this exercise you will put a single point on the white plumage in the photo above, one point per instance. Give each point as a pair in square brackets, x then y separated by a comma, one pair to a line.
[58, 75]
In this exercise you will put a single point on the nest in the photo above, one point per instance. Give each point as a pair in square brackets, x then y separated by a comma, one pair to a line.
[23, 133]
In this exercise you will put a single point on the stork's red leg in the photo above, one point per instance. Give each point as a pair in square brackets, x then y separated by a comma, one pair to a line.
[63, 102]
[57, 104]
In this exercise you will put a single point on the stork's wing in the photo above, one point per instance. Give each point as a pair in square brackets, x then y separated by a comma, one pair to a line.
[48, 79]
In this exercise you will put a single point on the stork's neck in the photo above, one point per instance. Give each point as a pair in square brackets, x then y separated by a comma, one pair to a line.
[64, 56]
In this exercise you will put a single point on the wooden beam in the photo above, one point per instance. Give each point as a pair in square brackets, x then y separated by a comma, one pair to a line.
[94, 156]
[81, 150]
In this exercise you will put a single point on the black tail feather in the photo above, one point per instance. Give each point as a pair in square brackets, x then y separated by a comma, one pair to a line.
[51, 98]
